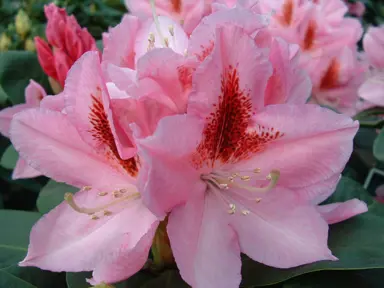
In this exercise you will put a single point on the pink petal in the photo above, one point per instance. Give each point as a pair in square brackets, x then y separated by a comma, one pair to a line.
[171, 71]
[34, 93]
[205, 247]
[315, 145]
[120, 47]
[53, 102]
[288, 83]
[7, 114]
[169, 178]
[62, 64]
[247, 65]
[45, 57]
[203, 37]
[373, 43]
[43, 136]
[337, 212]
[281, 231]
[114, 246]
[23, 170]
[123, 78]
[87, 105]
[373, 89]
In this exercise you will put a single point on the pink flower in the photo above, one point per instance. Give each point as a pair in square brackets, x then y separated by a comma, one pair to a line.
[236, 176]
[336, 80]
[104, 227]
[372, 89]
[67, 41]
[34, 93]
[186, 12]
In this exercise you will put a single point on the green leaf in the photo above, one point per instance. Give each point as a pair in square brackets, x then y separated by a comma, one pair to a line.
[357, 243]
[378, 146]
[337, 279]
[14, 236]
[348, 189]
[16, 69]
[52, 195]
[28, 277]
[9, 158]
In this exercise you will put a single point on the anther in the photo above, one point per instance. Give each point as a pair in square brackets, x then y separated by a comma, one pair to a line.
[257, 170]
[123, 190]
[245, 212]
[156, 21]
[94, 217]
[87, 188]
[224, 186]
[245, 178]
[171, 30]
[182, 22]
[107, 213]
[116, 194]
[166, 42]
[258, 200]
[232, 209]
[102, 193]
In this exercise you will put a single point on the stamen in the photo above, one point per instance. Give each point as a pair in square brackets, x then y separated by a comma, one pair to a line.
[87, 188]
[102, 193]
[273, 177]
[94, 217]
[90, 211]
[258, 200]
[257, 170]
[156, 21]
[245, 178]
[107, 213]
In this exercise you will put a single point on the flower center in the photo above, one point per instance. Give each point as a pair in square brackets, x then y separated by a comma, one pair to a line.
[119, 196]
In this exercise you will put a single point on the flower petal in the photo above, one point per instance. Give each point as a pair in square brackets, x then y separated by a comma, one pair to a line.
[205, 247]
[372, 89]
[34, 93]
[169, 177]
[249, 64]
[23, 170]
[42, 137]
[281, 230]
[337, 212]
[7, 114]
[373, 43]
[313, 144]
[114, 246]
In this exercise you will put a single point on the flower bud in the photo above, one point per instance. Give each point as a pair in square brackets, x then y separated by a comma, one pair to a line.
[5, 42]
[23, 23]
[29, 45]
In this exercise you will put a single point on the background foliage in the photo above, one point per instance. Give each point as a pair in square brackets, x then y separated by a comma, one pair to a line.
[358, 242]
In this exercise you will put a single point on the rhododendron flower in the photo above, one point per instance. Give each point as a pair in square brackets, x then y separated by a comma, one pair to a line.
[67, 41]
[234, 176]
[104, 227]
[34, 93]
[336, 80]
[186, 12]
[357, 8]
[373, 88]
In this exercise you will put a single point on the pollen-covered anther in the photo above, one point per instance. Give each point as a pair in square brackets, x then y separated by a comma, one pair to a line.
[171, 30]
[232, 209]
[91, 211]
[95, 217]
[151, 41]
[245, 212]
[273, 178]
[166, 42]
[257, 170]
[245, 178]
[181, 22]
[102, 193]
[87, 188]
[107, 213]
[258, 200]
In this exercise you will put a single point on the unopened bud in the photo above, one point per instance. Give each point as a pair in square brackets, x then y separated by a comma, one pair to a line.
[23, 23]
[29, 45]
[5, 42]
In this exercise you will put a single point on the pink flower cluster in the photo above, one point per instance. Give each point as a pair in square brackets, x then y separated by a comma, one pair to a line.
[197, 117]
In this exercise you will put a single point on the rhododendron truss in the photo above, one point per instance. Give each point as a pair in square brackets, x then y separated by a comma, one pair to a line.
[234, 175]
[104, 227]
